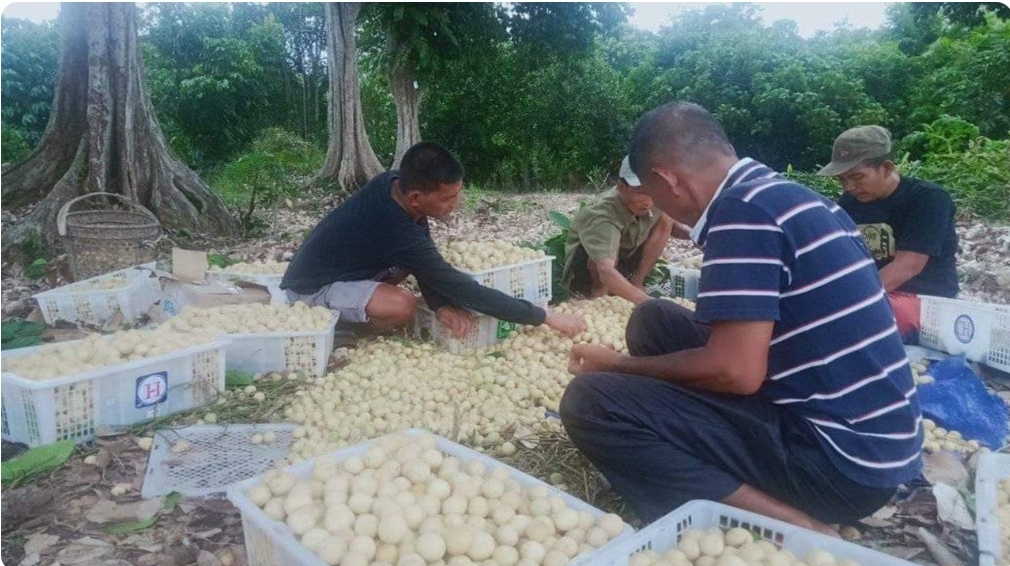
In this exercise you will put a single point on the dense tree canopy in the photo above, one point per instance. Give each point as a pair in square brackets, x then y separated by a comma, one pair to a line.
[543, 95]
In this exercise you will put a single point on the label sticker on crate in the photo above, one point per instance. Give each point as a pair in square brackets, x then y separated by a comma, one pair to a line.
[151, 389]
[964, 328]
[504, 328]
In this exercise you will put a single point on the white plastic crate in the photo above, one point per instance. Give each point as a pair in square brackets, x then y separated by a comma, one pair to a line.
[80, 303]
[665, 533]
[528, 280]
[307, 352]
[980, 331]
[992, 468]
[269, 542]
[486, 331]
[218, 456]
[684, 282]
[78, 406]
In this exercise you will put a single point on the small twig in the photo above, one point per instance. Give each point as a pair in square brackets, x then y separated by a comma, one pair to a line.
[941, 554]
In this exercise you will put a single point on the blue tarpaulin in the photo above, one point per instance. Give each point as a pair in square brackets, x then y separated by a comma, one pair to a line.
[958, 400]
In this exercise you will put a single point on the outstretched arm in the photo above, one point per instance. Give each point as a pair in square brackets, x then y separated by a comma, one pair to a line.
[614, 282]
[652, 249]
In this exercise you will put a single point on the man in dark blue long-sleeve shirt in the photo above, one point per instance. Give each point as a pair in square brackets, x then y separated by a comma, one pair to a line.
[353, 260]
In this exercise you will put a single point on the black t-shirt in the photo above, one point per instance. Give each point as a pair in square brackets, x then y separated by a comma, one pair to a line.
[370, 233]
[917, 217]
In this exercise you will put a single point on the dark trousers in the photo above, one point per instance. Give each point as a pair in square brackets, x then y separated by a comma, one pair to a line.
[661, 445]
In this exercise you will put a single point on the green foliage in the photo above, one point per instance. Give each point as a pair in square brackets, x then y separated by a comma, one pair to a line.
[827, 186]
[34, 246]
[218, 76]
[237, 378]
[545, 30]
[274, 168]
[34, 463]
[127, 527]
[379, 109]
[965, 13]
[535, 96]
[967, 78]
[976, 169]
[12, 142]
[218, 260]
[945, 135]
[28, 78]
[21, 333]
[37, 269]
[565, 118]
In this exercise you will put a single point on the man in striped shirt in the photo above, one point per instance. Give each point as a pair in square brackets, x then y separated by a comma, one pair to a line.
[788, 392]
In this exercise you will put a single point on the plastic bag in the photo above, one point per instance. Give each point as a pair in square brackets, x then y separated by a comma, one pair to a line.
[958, 400]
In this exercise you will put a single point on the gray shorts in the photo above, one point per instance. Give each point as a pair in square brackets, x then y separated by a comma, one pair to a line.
[349, 298]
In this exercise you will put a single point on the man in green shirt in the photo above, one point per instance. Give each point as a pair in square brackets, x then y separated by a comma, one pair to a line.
[614, 242]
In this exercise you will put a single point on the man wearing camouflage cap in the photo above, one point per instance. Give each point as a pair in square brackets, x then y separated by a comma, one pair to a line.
[907, 223]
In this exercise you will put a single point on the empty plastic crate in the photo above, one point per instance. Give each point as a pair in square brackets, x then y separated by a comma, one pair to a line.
[684, 282]
[979, 331]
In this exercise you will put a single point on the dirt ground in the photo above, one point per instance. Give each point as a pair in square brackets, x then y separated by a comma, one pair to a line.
[64, 517]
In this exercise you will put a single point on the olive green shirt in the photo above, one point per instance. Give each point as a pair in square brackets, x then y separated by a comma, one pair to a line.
[605, 229]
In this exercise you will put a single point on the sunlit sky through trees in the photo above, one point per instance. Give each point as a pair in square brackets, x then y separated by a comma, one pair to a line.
[810, 17]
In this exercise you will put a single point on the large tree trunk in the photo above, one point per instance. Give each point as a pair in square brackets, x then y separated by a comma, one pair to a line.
[350, 160]
[407, 97]
[102, 135]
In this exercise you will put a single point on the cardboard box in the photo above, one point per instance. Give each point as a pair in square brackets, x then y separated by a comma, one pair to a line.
[186, 286]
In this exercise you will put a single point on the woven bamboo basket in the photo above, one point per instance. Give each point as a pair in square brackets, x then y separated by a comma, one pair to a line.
[102, 240]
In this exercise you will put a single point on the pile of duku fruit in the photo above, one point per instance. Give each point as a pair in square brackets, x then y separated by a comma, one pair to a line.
[389, 385]
[404, 502]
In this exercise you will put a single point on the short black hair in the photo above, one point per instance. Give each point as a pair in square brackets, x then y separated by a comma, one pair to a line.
[679, 131]
[427, 166]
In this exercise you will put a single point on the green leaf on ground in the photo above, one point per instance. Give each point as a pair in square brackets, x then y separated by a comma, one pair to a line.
[21, 333]
[36, 461]
[559, 219]
[171, 500]
[37, 269]
[217, 260]
[237, 378]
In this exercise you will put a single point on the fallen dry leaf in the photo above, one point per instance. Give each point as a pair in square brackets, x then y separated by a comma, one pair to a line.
[950, 507]
[83, 550]
[37, 543]
[944, 467]
[941, 554]
[108, 511]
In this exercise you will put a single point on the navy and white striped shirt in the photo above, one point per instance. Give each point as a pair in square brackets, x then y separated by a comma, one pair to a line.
[775, 250]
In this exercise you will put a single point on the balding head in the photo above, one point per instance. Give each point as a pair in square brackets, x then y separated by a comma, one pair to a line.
[681, 155]
[680, 134]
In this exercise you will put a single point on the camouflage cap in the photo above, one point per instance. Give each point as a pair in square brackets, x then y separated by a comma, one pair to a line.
[855, 145]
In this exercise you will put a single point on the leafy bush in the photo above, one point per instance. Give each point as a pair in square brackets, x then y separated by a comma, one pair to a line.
[978, 178]
[827, 186]
[28, 77]
[274, 168]
[15, 148]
